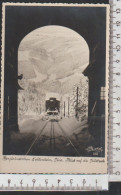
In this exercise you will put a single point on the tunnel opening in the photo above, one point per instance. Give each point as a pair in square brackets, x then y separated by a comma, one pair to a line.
[51, 61]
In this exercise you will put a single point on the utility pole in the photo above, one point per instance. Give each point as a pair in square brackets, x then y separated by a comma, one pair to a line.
[77, 97]
[77, 100]
[64, 108]
[61, 108]
[68, 106]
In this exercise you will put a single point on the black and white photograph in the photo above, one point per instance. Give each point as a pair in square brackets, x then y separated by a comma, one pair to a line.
[55, 80]
[53, 91]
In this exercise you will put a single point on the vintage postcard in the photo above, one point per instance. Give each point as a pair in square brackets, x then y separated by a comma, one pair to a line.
[54, 88]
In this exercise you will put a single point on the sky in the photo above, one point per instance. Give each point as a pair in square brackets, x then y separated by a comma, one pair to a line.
[54, 56]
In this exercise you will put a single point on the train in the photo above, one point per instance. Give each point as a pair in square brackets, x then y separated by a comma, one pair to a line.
[52, 106]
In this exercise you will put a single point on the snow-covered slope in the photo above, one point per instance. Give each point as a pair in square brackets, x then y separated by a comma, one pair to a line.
[53, 56]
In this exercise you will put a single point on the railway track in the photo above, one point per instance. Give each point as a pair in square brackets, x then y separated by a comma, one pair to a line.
[36, 139]
[52, 146]
[52, 137]
[68, 139]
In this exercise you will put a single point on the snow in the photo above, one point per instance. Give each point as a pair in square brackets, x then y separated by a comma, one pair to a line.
[72, 125]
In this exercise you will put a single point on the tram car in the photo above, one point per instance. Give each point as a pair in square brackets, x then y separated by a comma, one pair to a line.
[52, 105]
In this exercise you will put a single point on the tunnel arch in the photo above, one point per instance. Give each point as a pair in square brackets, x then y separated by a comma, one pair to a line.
[62, 31]
[61, 27]
[57, 45]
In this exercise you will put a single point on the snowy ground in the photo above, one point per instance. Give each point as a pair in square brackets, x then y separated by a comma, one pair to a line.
[66, 137]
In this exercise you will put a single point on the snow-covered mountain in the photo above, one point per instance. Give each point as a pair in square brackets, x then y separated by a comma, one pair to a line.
[54, 56]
